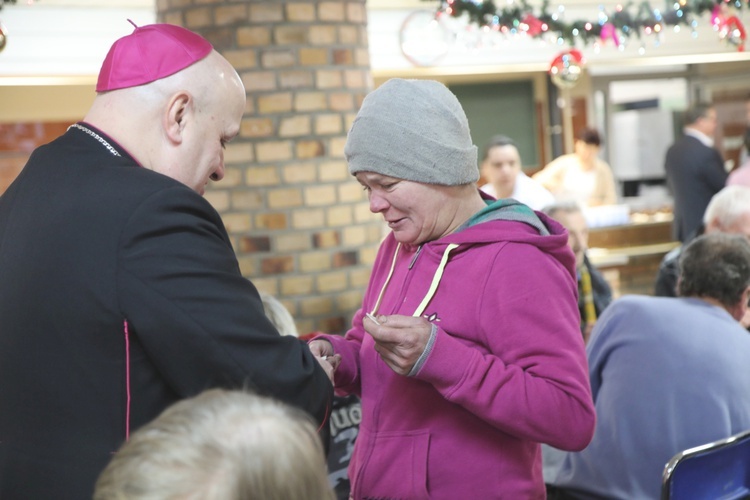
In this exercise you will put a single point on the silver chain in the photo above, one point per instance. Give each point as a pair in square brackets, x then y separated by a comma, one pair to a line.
[97, 137]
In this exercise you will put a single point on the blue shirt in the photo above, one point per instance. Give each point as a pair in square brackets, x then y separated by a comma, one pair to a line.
[667, 374]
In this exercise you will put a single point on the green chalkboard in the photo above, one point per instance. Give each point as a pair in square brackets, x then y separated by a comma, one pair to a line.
[505, 108]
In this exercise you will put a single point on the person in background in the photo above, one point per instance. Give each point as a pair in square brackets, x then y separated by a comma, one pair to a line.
[279, 315]
[667, 373]
[741, 175]
[220, 445]
[346, 417]
[695, 170]
[581, 176]
[120, 292]
[467, 351]
[727, 212]
[502, 169]
[594, 293]
[346, 412]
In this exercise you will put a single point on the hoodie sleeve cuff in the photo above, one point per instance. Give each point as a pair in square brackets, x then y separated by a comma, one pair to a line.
[426, 353]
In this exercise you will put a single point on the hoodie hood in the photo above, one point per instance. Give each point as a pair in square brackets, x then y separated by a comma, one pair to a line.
[502, 221]
[507, 220]
[506, 209]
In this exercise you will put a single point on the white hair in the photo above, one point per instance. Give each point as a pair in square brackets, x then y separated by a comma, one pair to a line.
[278, 315]
[220, 445]
[727, 206]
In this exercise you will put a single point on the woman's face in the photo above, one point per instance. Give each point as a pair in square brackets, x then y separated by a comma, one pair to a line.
[586, 153]
[415, 212]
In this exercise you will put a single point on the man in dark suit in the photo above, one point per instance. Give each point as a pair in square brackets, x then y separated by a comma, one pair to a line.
[695, 170]
[120, 293]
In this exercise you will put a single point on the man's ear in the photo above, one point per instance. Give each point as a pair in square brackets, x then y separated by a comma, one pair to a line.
[178, 109]
[746, 299]
[740, 312]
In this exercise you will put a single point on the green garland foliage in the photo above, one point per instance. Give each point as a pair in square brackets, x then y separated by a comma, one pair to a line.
[630, 19]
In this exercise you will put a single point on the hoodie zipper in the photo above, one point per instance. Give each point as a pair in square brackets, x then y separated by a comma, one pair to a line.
[416, 254]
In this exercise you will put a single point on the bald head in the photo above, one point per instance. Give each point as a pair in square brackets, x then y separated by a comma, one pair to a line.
[177, 125]
[210, 80]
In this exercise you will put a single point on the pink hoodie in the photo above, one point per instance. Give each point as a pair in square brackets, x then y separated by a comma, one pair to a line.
[506, 372]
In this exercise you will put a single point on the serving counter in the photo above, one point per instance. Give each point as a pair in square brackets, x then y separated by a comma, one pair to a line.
[629, 254]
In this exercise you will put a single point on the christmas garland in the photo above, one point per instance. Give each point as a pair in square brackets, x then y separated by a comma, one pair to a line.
[632, 19]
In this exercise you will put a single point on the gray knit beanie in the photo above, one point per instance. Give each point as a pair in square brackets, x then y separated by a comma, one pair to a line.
[414, 130]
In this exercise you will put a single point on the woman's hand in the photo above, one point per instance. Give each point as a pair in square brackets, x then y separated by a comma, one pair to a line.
[400, 340]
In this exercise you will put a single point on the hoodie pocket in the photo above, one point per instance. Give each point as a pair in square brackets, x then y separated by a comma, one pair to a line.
[396, 468]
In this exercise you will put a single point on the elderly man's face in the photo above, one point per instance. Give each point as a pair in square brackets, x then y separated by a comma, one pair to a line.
[415, 212]
[217, 127]
[208, 122]
[578, 232]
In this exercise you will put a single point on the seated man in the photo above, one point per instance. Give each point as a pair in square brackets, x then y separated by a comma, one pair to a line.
[502, 169]
[594, 293]
[222, 445]
[667, 374]
[728, 212]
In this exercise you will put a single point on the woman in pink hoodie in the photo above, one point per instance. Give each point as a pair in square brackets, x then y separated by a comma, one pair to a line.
[467, 351]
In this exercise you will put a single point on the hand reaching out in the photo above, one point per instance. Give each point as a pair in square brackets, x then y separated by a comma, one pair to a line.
[323, 352]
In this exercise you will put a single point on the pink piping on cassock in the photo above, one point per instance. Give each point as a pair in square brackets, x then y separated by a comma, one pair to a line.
[127, 379]
[325, 419]
[127, 384]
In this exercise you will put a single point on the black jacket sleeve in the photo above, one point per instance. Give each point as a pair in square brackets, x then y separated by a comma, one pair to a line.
[601, 290]
[714, 173]
[199, 320]
[669, 272]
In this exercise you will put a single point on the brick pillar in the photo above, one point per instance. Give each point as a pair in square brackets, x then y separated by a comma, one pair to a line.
[299, 223]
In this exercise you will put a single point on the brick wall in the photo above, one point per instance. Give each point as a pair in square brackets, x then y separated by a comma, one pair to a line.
[18, 140]
[299, 223]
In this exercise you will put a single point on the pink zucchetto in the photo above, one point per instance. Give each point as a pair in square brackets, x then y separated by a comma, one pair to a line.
[148, 54]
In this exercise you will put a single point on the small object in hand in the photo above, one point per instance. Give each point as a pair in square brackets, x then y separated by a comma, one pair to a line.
[372, 317]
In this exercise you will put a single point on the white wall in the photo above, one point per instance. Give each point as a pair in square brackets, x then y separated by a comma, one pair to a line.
[71, 37]
[46, 39]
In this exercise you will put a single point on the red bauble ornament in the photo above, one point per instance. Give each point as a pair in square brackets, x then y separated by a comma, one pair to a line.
[566, 68]
[734, 32]
[728, 25]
